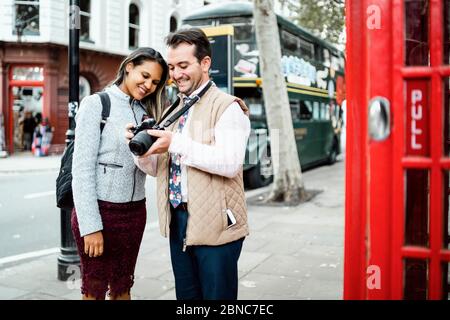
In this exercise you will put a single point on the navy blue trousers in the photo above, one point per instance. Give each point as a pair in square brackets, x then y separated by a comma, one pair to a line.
[202, 272]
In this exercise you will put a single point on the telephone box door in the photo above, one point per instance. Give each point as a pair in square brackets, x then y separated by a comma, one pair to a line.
[398, 152]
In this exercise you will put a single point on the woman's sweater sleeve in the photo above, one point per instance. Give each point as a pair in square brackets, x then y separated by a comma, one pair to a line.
[84, 164]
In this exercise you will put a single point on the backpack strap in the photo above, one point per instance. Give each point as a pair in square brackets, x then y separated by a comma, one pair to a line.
[106, 107]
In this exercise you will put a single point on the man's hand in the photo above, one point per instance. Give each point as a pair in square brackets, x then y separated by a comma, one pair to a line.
[128, 134]
[93, 244]
[161, 144]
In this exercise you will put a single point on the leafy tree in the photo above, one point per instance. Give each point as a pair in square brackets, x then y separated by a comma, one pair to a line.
[288, 184]
[325, 18]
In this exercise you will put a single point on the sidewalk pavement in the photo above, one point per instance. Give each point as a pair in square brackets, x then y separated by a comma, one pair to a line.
[26, 162]
[290, 254]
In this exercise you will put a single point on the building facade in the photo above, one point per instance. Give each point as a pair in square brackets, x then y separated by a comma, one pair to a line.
[34, 36]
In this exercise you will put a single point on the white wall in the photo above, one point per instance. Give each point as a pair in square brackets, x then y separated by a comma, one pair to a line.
[109, 23]
[6, 16]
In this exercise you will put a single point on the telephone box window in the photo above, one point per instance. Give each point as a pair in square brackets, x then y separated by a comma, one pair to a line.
[445, 281]
[417, 51]
[415, 279]
[417, 200]
[446, 32]
[446, 210]
[446, 103]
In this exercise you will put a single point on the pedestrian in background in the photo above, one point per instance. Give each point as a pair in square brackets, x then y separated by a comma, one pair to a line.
[201, 200]
[109, 217]
[29, 124]
[42, 138]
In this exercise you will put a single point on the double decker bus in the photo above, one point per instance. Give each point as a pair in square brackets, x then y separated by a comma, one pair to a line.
[314, 73]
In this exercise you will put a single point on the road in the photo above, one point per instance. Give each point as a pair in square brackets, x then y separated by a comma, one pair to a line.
[29, 218]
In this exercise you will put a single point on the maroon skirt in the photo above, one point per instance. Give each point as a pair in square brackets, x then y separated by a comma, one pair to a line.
[123, 228]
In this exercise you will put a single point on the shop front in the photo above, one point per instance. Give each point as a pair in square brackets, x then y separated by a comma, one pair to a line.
[34, 87]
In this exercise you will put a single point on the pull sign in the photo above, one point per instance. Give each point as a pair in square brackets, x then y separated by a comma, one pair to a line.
[417, 118]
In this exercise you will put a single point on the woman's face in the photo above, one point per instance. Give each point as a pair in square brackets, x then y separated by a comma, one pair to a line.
[142, 80]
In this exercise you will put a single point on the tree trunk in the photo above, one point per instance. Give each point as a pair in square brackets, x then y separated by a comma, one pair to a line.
[288, 183]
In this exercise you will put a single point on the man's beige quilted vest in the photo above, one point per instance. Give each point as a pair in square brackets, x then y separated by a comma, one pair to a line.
[209, 195]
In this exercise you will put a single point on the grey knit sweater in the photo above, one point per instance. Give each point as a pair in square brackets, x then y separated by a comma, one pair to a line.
[103, 168]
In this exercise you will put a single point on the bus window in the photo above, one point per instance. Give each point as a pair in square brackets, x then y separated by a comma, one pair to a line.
[295, 109]
[316, 111]
[289, 43]
[233, 20]
[324, 111]
[326, 58]
[306, 49]
[335, 62]
[198, 23]
[255, 109]
[306, 111]
[243, 32]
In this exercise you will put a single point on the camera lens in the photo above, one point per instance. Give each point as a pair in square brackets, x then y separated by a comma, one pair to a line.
[140, 143]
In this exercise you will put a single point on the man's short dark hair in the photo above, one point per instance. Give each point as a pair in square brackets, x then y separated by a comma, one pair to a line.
[193, 36]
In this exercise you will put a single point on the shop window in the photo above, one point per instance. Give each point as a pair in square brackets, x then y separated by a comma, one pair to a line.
[173, 24]
[28, 73]
[85, 20]
[133, 29]
[26, 18]
[27, 113]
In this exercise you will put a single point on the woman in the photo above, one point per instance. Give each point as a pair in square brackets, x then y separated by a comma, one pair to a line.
[109, 217]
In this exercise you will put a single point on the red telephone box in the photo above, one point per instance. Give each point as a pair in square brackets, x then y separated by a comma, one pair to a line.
[397, 243]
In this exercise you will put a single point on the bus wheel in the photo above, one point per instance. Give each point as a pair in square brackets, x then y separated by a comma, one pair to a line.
[333, 154]
[261, 175]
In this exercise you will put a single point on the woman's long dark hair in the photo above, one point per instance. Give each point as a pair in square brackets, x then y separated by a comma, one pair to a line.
[155, 102]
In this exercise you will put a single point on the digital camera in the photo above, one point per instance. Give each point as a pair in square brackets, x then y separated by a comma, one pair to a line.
[142, 141]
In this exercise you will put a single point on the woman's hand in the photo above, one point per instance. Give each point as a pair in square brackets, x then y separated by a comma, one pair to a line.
[93, 244]
[128, 133]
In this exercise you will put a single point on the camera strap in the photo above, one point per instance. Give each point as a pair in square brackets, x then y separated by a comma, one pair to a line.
[189, 104]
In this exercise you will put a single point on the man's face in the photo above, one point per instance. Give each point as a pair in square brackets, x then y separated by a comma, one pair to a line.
[184, 68]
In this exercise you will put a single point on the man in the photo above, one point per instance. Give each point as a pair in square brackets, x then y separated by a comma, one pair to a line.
[200, 193]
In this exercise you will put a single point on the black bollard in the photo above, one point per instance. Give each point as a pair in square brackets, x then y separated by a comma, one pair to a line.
[68, 260]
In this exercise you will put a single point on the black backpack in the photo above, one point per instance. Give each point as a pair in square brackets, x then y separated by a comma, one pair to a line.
[64, 197]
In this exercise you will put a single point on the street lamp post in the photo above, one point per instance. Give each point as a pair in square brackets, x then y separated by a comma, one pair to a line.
[68, 260]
